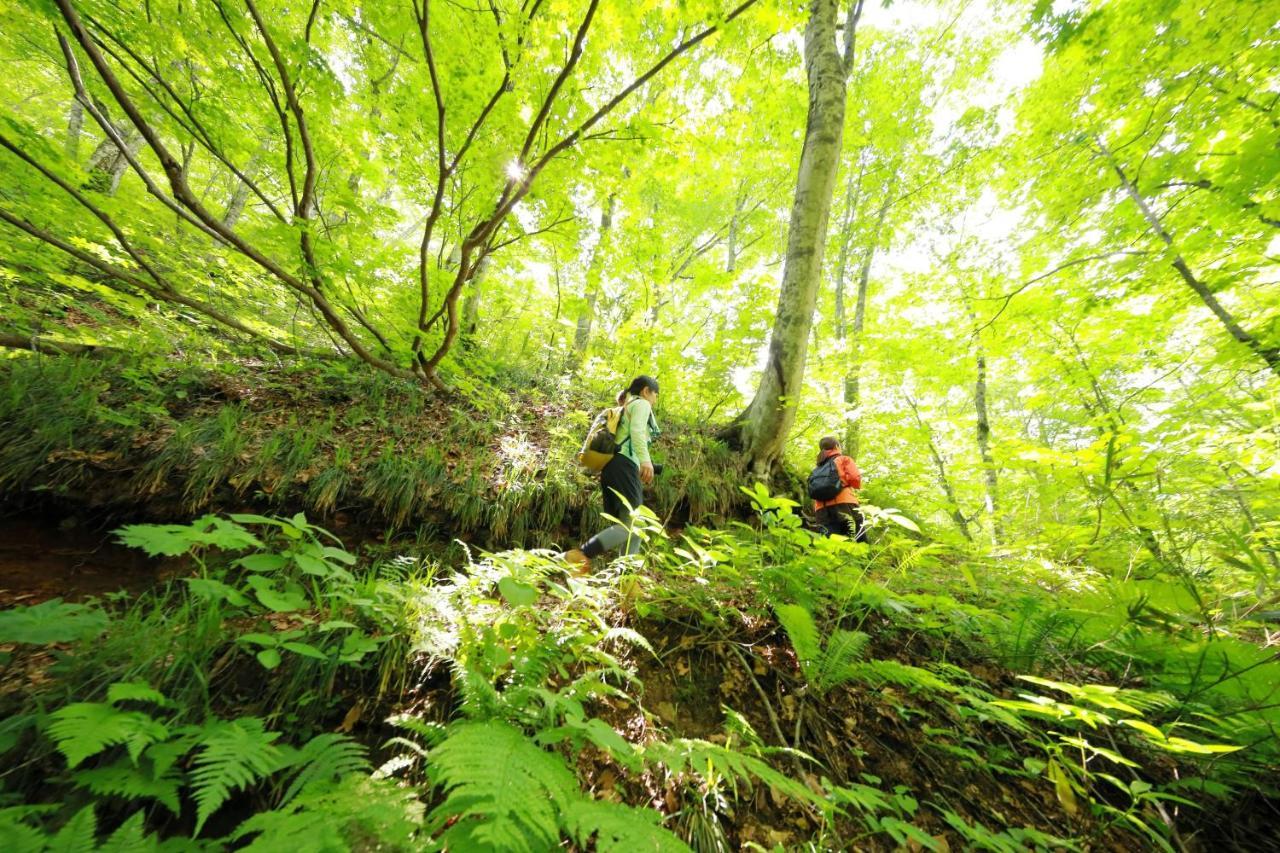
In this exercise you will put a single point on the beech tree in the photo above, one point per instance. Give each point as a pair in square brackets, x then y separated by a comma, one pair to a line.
[763, 428]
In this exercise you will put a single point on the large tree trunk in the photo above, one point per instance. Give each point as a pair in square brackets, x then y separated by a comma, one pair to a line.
[1271, 355]
[764, 426]
[853, 376]
[582, 335]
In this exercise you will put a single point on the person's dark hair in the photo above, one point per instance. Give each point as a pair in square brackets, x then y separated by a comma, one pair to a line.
[829, 442]
[637, 385]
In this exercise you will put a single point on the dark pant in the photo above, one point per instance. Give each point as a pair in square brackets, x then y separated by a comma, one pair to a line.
[845, 519]
[623, 492]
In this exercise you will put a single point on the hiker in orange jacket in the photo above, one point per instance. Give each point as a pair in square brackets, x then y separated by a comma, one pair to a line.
[839, 514]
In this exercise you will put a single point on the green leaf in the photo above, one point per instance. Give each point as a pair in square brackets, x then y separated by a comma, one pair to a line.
[259, 639]
[211, 590]
[84, 729]
[136, 691]
[51, 622]
[269, 658]
[79, 835]
[291, 599]
[233, 754]
[617, 828]
[262, 562]
[339, 555]
[511, 791]
[306, 650]
[126, 781]
[516, 593]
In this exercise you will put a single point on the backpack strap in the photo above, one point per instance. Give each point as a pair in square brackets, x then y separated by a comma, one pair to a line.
[626, 416]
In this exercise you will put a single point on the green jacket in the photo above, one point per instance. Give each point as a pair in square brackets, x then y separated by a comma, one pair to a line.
[637, 429]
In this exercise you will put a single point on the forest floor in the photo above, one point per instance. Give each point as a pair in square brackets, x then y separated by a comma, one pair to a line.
[913, 739]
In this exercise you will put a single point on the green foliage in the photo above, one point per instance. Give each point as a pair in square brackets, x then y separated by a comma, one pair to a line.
[52, 621]
[492, 772]
[826, 665]
[232, 755]
[505, 792]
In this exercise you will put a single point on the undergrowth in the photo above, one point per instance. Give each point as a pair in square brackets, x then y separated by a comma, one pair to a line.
[330, 440]
[745, 687]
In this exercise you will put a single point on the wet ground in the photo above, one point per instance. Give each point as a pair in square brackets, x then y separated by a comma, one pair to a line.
[43, 558]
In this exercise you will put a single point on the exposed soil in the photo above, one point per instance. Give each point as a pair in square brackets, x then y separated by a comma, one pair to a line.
[43, 558]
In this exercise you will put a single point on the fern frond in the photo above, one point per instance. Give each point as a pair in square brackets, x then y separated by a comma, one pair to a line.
[705, 758]
[79, 835]
[803, 633]
[480, 700]
[836, 665]
[632, 636]
[16, 833]
[131, 837]
[137, 691]
[84, 729]
[880, 672]
[233, 754]
[616, 828]
[355, 814]
[505, 791]
[324, 758]
[132, 783]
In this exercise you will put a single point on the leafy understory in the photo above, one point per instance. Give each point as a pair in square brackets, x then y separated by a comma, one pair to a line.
[744, 686]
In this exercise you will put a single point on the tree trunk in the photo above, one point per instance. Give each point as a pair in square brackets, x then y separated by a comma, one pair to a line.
[764, 426]
[108, 163]
[953, 505]
[990, 476]
[1271, 355]
[240, 195]
[75, 123]
[731, 252]
[471, 305]
[853, 377]
[852, 198]
[582, 335]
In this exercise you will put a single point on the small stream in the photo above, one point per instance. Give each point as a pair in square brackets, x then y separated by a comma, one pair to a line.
[43, 557]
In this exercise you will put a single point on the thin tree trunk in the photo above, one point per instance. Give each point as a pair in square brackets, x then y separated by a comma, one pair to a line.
[764, 426]
[108, 162]
[240, 195]
[990, 476]
[471, 305]
[50, 346]
[1238, 494]
[731, 252]
[582, 334]
[953, 505]
[852, 196]
[853, 376]
[75, 123]
[1271, 355]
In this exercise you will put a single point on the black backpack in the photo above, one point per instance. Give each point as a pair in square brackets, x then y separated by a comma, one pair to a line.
[825, 482]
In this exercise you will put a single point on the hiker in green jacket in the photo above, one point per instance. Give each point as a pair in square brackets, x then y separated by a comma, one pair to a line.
[623, 479]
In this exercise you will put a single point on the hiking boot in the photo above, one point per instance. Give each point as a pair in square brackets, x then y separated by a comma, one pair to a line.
[580, 562]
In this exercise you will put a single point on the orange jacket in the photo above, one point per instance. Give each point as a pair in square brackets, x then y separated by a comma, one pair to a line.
[849, 475]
